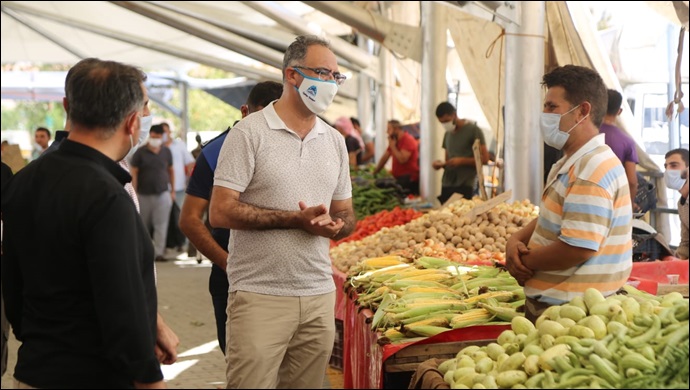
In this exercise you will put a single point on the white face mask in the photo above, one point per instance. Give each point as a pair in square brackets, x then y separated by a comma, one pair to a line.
[156, 142]
[144, 128]
[674, 179]
[316, 94]
[550, 128]
[449, 126]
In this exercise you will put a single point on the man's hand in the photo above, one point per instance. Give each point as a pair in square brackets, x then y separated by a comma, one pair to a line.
[515, 249]
[166, 343]
[392, 141]
[318, 221]
[438, 164]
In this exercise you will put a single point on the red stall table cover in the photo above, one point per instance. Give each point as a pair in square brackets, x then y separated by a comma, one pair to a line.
[339, 279]
[658, 270]
[363, 357]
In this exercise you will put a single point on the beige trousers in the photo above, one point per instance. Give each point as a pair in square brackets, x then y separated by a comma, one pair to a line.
[278, 342]
[22, 385]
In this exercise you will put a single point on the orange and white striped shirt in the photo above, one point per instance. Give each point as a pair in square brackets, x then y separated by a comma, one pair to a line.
[586, 204]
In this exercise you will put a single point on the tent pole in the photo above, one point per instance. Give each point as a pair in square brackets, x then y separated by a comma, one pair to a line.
[523, 103]
[434, 91]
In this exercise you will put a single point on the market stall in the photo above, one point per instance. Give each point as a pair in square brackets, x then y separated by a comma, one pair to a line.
[628, 340]
[368, 364]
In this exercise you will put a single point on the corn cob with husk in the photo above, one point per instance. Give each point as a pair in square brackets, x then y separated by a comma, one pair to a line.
[447, 314]
[437, 320]
[423, 330]
[435, 262]
[500, 312]
[470, 318]
[415, 309]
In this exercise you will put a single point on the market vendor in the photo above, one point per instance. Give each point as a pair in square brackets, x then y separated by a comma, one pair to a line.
[583, 235]
[676, 178]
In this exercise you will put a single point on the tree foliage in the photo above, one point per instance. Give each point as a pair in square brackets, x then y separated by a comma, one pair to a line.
[206, 113]
[28, 115]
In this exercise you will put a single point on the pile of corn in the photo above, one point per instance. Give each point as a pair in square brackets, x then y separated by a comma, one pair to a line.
[631, 340]
[427, 296]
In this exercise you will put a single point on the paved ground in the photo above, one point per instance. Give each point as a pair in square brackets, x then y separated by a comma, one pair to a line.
[185, 304]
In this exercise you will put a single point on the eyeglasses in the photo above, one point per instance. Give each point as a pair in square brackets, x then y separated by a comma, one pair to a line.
[326, 74]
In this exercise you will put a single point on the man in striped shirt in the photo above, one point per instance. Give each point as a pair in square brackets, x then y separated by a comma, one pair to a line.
[583, 235]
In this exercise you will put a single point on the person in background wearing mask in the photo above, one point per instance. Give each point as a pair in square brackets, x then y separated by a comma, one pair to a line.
[353, 142]
[183, 161]
[214, 244]
[405, 151]
[620, 142]
[41, 141]
[367, 139]
[459, 168]
[583, 235]
[92, 278]
[676, 178]
[282, 184]
[154, 181]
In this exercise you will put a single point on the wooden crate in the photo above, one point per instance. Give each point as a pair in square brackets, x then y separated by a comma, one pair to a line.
[399, 368]
[407, 359]
[664, 289]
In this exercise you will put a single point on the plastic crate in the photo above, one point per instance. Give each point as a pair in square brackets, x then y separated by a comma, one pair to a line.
[646, 247]
[337, 354]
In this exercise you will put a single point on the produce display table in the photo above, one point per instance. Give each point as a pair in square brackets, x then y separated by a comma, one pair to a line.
[653, 276]
[366, 364]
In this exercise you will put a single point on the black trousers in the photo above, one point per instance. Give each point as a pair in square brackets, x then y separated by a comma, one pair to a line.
[218, 287]
[446, 192]
[405, 181]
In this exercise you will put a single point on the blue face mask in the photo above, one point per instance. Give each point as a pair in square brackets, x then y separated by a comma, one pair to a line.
[550, 125]
[674, 179]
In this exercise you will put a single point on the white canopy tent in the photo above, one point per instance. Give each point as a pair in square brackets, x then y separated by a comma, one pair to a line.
[385, 47]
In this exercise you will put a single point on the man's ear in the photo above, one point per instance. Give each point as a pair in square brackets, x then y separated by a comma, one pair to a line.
[586, 108]
[244, 109]
[131, 123]
[620, 111]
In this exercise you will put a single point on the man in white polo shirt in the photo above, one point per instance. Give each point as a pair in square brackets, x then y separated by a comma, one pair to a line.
[282, 184]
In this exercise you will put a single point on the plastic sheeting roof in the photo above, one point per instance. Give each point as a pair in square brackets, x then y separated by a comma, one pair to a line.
[64, 32]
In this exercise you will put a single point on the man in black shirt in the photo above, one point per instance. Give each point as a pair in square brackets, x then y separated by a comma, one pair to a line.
[83, 303]
[6, 176]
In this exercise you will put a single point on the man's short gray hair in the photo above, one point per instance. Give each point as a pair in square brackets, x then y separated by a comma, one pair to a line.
[297, 50]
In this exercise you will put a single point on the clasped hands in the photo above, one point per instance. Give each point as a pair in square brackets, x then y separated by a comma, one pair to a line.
[318, 221]
[515, 249]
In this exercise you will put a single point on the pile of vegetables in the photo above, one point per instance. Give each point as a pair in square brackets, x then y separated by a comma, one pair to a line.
[386, 218]
[374, 193]
[628, 340]
[449, 226]
[426, 296]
